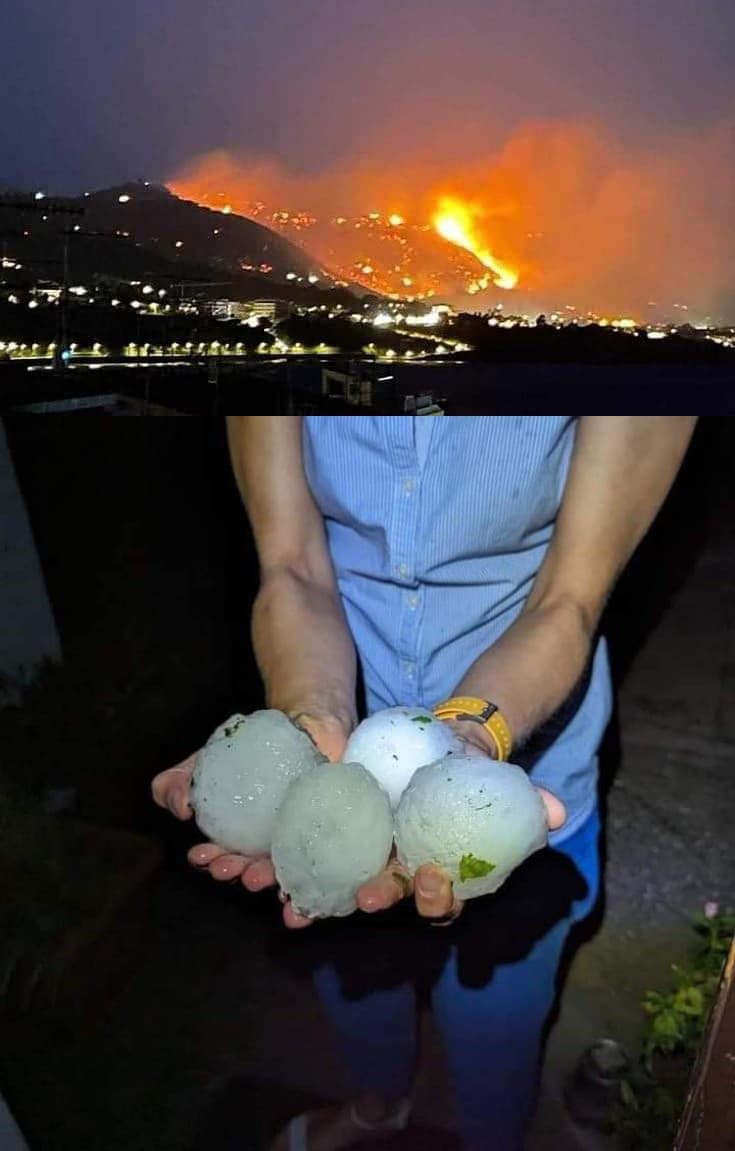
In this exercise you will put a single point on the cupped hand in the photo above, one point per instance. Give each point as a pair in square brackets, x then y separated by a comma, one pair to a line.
[431, 886]
[172, 790]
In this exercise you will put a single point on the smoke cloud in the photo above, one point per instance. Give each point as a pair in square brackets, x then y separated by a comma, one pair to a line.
[588, 219]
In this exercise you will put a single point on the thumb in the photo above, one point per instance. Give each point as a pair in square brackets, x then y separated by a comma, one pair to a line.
[170, 788]
[556, 813]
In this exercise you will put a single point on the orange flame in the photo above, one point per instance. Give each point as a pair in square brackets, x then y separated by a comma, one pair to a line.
[455, 222]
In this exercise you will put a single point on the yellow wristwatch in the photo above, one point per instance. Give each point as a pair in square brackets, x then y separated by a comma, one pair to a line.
[483, 712]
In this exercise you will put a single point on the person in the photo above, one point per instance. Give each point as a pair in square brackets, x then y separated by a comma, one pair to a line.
[469, 559]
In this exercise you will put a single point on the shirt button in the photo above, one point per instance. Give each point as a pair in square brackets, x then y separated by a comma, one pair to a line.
[409, 670]
[413, 601]
[409, 486]
[403, 570]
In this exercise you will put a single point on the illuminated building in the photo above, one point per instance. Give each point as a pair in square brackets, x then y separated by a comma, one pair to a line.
[270, 310]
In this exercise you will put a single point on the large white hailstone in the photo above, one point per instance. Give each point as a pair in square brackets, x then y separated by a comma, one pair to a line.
[392, 744]
[476, 818]
[334, 832]
[242, 774]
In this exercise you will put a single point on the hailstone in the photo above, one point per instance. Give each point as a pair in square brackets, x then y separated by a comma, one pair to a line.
[393, 743]
[476, 818]
[241, 776]
[333, 832]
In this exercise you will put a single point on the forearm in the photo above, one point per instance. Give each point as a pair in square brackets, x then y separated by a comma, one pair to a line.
[303, 647]
[621, 470]
[300, 635]
[534, 666]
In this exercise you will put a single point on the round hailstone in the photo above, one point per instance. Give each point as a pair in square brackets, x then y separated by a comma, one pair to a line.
[334, 832]
[241, 776]
[476, 818]
[392, 744]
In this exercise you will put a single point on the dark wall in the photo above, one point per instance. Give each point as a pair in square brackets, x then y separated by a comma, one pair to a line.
[151, 571]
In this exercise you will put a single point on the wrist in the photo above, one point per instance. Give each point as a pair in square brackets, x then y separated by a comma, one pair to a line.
[324, 706]
[493, 734]
[475, 735]
[328, 732]
[308, 717]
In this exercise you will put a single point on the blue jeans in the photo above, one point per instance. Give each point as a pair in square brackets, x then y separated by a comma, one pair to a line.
[492, 1033]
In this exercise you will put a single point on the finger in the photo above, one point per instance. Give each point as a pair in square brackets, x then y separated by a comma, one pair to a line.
[170, 788]
[293, 920]
[388, 888]
[179, 802]
[204, 853]
[454, 914]
[258, 875]
[227, 867]
[555, 811]
[433, 889]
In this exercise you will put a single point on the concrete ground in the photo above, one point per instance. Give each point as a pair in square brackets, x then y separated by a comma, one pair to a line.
[211, 1045]
[670, 846]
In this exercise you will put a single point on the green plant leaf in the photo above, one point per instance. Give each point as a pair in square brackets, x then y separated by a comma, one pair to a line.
[689, 1001]
[470, 867]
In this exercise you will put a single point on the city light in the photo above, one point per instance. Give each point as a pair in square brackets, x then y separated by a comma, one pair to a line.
[428, 320]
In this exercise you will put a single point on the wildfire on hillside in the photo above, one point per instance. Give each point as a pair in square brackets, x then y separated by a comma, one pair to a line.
[558, 216]
[388, 252]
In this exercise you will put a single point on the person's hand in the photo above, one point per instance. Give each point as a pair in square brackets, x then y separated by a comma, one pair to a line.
[171, 790]
[431, 886]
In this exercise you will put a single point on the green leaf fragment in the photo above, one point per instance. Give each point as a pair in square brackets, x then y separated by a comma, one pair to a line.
[422, 719]
[470, 867]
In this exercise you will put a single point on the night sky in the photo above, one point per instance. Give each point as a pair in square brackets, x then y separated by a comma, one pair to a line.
[96, 92]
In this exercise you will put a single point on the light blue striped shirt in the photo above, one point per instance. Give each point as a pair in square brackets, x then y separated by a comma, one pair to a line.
[437, 528]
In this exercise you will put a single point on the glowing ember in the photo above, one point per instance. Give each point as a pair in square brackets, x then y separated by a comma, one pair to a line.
[455, 222]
